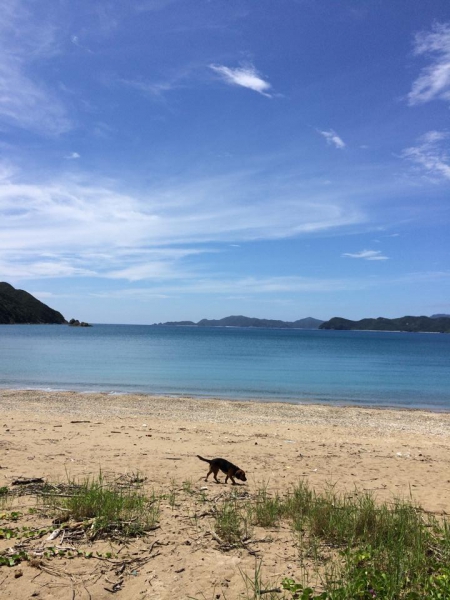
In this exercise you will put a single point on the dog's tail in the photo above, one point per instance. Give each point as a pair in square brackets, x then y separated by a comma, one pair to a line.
[204, 459]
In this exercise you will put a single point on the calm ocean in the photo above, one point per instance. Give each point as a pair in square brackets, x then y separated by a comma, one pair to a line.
[335, 367]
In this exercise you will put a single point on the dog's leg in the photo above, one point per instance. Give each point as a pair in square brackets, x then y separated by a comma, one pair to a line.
[209, 473]
[229, 476]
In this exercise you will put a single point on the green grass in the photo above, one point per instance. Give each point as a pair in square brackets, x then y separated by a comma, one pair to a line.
[110, 509]
[255, 587]
[172, 495]
[231, 522]
[349, 546]
[361, 549]
[5, 498]
[188, 486]
[266, 511]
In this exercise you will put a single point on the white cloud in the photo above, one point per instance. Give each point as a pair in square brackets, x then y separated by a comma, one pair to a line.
[25, 101]
[434, 80]
[246, 286]
[72, 156]
[430, 155]
[28, 104]
[367, 255]
[72, 226]
[246, 76]
[332, 139]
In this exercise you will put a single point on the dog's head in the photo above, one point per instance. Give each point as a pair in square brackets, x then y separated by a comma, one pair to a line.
[240, 475]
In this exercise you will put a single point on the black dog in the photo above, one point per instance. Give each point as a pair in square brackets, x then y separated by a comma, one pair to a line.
[220, 464]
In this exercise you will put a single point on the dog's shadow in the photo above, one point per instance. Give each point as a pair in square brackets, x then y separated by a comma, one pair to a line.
[223, 483]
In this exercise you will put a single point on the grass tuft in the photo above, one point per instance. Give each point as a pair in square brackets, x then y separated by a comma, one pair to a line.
[231, 522]
[266, 511]
[111, 509]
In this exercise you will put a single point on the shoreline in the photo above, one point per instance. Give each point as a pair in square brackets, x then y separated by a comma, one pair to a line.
[218, 410]
[238, 399]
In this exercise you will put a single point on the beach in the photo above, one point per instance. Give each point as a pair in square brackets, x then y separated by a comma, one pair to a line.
[59, 435]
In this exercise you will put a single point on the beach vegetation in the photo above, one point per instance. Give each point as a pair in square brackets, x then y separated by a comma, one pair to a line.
[256, 587]
[341, 545]
[5, 498]
[108, 508]
[359, 548]
[232, 522]
[266, 510]
[172, 495]
[188, 487]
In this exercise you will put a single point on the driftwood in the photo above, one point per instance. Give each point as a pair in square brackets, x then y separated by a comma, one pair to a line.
[216, 537]
[27, 480]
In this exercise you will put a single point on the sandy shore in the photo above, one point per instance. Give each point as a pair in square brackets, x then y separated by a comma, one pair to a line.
[389, 452]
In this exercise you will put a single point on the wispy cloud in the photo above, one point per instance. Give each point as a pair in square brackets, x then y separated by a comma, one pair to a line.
[85, 226]
[245, 76]
[25, 101]
[367, 255]
[152, 5]
[76, 42]
[72, 156]
[434, 80]
[431, 154]
[332, 138]
[155, 89]
[249, 286]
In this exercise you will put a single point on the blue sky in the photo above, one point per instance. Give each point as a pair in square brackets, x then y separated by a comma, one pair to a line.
[180, 159]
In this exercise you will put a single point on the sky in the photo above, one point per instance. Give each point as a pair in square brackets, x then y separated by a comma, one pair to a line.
[185, 159]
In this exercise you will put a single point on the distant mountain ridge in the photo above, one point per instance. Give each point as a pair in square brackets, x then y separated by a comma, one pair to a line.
[241, 321]
[18, 306]
[435, 324]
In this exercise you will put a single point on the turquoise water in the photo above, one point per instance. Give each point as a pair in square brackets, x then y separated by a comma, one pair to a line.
[337, 367]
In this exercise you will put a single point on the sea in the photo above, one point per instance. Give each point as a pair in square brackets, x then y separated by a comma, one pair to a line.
[366, 368]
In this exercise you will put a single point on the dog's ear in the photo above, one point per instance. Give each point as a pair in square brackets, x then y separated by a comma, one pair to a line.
[241, 475]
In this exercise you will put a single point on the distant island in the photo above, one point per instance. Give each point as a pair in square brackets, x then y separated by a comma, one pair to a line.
[434, 324]
[20, 307]
[240, 321]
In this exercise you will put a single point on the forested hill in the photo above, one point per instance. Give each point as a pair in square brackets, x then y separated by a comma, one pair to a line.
[411, 324]
[241, 321]
[18, 306]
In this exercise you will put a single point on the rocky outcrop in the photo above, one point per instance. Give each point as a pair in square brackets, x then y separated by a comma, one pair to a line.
[77, 323]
